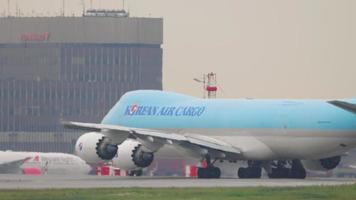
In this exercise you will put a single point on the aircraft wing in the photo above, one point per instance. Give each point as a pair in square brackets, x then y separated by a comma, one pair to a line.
[12, 166]
[197, 143]
[344, 105]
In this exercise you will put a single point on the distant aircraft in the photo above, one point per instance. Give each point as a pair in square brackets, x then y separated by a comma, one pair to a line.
[41, 163]
[283, 137]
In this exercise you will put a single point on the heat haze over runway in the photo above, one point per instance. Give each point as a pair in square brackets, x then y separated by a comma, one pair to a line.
[51, 181]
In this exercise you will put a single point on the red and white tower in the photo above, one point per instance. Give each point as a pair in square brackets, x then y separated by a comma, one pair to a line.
[209, 85]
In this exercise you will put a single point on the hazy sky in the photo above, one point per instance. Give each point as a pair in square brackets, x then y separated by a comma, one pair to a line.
[258, 48]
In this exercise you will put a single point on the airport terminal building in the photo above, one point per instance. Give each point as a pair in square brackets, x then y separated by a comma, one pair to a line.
[70, 68]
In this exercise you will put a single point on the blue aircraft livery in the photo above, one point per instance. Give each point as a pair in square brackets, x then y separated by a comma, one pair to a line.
[158, 109]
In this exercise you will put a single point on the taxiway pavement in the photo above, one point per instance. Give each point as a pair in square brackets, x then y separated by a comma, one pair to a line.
[10, 181]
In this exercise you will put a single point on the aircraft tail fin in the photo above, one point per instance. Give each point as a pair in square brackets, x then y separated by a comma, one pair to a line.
[351, 107]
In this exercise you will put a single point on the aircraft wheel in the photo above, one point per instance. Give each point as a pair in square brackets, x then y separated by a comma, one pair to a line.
[297, 170]
[209, 172]
[215, 172]
[257, 172]
[288, 169]
[279, 173]
[249, 172]
[139, 172]
[242, 172]
[201, 172]
[136, 172]
[298, 173]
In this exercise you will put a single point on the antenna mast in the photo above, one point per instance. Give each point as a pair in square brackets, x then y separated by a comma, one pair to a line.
[17, 10]
[8, 8]
[63, 9]
[83, 4]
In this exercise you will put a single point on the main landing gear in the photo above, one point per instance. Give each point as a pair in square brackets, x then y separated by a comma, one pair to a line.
[287, 169]
[275, 169]
[210, 171]
[252, 171]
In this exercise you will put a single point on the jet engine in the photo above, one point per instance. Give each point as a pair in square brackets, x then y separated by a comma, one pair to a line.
[94, 148]
[132, 155]
[322, 164]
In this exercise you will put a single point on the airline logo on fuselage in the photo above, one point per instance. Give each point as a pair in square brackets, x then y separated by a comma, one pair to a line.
[137, 110]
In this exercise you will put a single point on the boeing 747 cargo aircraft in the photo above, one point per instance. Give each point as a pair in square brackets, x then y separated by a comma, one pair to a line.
[283, 137]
